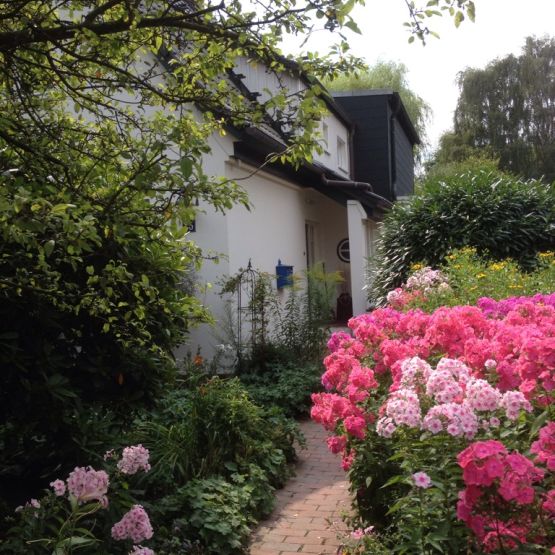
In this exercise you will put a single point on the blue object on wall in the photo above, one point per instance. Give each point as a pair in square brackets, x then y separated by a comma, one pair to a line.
[284, 275]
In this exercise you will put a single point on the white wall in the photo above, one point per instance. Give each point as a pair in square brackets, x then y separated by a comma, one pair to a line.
[274, 229]
[336, 129]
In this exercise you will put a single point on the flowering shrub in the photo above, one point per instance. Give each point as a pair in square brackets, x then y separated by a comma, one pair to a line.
[475, 280]
[423, 282]
[73, 513]
[458, 396]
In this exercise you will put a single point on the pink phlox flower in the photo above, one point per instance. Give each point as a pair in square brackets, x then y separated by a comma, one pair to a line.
[516, 483]
[363, 378]
[457, 368]
[347, 460]
[482, 396]
[329, 408]
[133, 459]
[357, 534]
[490, 364]
[140, 550]
[482, 462]
[356, 426]
[135, 526]
[544, 447]
[414, 372]
[338, 340]
[421, 480]
[385, 427]
[513, 402]
[59, 487]
[87, 484]
[548, 504]
[503, 535]
[403, 407]
[443, 387]
[457, 419]
[338, 368]
[336, 444]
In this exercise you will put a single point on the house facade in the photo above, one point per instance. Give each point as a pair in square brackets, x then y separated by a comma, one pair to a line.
[325, 211]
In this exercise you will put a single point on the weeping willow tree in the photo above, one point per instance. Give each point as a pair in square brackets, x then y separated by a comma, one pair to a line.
[508, 110]
[388, 75]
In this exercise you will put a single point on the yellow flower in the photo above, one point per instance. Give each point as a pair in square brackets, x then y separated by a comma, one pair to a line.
[416, 267]
[496, 266]
[480, 276]
[515, 286]
[547, 254]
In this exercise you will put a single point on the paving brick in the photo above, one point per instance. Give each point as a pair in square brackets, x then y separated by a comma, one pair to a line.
[307, 517]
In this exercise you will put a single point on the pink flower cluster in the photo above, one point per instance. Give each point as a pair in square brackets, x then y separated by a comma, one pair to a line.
[544, 447]
[418, 285]
[499, 309]
[87, 484]
[461, 371]
[459, 398]
[133, 459]
[135, 525]
[496, 479]
[140, 550]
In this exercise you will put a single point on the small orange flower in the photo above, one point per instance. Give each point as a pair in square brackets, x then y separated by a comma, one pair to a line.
[198, 361]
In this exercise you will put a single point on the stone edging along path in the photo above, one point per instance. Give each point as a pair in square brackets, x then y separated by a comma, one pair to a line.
[307, 517]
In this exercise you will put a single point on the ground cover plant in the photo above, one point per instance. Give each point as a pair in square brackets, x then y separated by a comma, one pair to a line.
[192, 475]
[444, 421]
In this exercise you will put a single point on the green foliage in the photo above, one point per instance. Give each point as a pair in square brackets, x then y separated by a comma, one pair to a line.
[287, 386]
[92, 306]
[388, 75]
[501, 216]
[213, 510]
[279, 327]
[507, 108]
[471, 277]
[217, 459]
[197, 432]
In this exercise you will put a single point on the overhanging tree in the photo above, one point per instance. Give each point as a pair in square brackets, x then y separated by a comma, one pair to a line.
[105, 111]
[508, 109]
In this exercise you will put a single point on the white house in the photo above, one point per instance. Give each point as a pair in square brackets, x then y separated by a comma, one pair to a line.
[326, 211]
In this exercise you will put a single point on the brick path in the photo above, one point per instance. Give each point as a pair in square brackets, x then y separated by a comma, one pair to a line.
[307, 517]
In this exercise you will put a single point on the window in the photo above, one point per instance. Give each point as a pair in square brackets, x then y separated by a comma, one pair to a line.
[325, 136]
[341, 154]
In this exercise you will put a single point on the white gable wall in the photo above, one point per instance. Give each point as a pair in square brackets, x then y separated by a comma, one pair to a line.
[336, 132]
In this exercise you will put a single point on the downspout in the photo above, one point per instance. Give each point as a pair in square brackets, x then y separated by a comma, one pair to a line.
[366, 187]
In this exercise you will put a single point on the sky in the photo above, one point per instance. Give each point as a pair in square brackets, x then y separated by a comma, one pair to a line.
[500, 28]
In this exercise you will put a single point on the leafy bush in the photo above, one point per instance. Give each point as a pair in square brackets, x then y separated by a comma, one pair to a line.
[287, 386]
[214, 510]
[197, 432]
[92, 305]
[500, 215]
